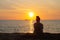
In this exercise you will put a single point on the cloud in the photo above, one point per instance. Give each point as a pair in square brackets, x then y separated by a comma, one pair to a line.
[6, 5]
[21, 5]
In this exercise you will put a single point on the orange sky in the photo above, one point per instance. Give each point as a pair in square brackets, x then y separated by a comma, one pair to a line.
[18, 9]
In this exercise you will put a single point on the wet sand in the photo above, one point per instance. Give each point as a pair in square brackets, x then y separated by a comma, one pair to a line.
[28, 36]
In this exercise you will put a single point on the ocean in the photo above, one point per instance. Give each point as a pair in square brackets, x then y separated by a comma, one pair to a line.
[25, 26]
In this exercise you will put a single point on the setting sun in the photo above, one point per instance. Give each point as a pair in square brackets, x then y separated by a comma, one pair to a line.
[31, 14]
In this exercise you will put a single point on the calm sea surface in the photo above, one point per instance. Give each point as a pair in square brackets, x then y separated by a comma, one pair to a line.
[19, 26]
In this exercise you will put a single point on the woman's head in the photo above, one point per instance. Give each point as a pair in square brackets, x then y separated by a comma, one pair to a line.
[37, 19]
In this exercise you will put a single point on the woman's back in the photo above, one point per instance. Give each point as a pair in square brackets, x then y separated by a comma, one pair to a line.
[38, 28]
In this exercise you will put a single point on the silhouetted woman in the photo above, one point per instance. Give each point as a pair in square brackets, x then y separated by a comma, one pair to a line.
[38, 27]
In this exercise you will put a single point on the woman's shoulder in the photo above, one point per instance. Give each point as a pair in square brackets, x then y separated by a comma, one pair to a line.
[41, 24]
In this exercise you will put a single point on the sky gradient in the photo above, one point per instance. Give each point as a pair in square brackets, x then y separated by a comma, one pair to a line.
[18, 9]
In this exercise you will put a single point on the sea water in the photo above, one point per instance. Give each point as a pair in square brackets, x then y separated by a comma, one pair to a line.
[25, 26]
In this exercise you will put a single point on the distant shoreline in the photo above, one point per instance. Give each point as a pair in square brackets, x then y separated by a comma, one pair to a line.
[29, 20]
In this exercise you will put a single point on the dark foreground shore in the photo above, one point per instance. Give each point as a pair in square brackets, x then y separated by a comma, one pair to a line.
[28, 36]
